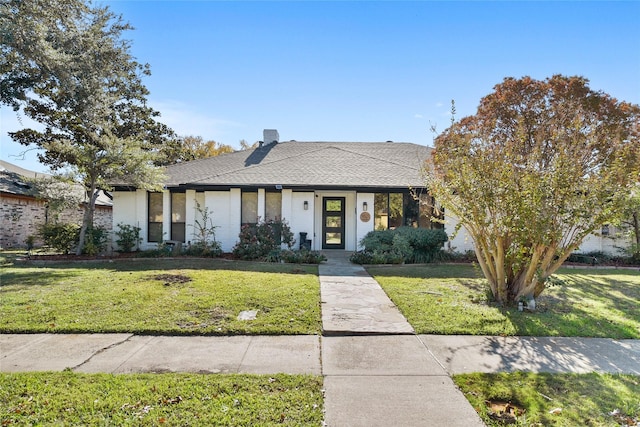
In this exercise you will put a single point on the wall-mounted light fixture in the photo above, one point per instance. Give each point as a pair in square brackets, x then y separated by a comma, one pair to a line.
[365, 206]
[306, 205]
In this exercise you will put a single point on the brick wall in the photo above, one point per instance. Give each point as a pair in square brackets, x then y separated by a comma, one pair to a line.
[21, 216]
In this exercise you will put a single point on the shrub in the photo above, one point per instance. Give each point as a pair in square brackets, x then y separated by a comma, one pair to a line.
[303, 256]
[452, 256]
[204, 249]
[260, 241]
[95, 241]
[404, 244]
[61, 237]
[162, 250]
[128, 237]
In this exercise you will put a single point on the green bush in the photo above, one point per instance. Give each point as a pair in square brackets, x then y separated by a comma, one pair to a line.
[95, 241]
[603, 258]
[404, 244]
[128, 237]
[261, 241]
[303, 256]
[162, 250]
[204, 249]
[61, 237]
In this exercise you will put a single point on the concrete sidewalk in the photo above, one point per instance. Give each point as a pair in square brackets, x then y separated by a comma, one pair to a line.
[343, 356]
[126, 353]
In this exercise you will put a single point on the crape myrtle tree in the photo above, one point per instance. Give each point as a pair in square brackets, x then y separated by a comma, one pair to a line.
[542, 164]
[65, 65]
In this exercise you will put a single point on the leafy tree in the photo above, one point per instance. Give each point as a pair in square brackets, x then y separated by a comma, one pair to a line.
[81, 82]
[31, 33]
[541, 165]
[190, 147]
[60, 193]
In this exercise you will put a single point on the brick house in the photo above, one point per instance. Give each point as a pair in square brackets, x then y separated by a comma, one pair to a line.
[22, 211]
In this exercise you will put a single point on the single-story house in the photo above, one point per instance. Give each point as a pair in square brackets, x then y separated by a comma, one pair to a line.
[23, 210]
[335, 192]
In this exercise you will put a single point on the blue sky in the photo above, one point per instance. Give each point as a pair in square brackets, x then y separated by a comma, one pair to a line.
[359, 71]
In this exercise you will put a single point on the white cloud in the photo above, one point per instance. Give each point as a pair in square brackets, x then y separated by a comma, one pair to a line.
[418, 116]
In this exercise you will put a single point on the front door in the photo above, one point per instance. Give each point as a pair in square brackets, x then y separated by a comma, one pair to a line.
[333, 222]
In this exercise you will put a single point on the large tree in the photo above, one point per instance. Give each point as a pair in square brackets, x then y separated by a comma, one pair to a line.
[541, 165]
[186, 148]
[64, 62]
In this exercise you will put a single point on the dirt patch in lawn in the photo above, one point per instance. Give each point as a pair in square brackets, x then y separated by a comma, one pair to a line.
[171, 279]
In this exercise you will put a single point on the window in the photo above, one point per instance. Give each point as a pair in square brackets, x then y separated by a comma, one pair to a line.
[395, 210]
[392, 210]
[381, 211]
[178, 213]
[273, 206]
[155, 217]
[411, 210]
[249, 208]
[387, 210]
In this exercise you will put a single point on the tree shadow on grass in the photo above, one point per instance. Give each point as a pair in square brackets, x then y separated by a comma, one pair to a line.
[466, 354]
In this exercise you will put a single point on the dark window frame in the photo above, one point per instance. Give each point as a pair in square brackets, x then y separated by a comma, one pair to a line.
[178, 227]
[152, 226]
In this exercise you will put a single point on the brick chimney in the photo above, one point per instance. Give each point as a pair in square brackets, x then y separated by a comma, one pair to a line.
[270, 136]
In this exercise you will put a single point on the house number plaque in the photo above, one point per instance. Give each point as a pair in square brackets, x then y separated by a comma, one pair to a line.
[365, 216]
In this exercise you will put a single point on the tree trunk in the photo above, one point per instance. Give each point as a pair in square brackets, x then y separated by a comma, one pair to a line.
[636, 230]
[87, 220]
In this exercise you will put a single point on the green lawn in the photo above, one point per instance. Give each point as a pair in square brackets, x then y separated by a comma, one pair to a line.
[554, 399]
[454, 299]
[68, 398]
[159, 296]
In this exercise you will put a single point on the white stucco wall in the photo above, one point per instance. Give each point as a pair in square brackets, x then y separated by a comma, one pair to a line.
[362, 228]
[301, 220]
[226, 216]
[130, 207]
[592, 243]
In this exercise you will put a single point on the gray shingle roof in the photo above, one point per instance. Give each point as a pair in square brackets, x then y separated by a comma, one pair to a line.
[309, 164]
[18, 181]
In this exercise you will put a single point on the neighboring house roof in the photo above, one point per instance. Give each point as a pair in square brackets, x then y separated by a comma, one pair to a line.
[308, 165]
[15, 180]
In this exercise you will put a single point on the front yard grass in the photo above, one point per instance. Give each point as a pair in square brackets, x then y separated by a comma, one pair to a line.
[454, 299]
[165, 296]
[553, 399]
[68, 398]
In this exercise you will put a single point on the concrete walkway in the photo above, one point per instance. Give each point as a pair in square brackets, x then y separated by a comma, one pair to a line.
[376, 371]
[353, 302]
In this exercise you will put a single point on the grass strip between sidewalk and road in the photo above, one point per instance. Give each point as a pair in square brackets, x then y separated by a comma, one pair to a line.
[68, 398]
[455, 299]
[167, 296]
[529, 399]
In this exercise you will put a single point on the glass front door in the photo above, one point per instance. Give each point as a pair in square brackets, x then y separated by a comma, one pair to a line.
[333, 223]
